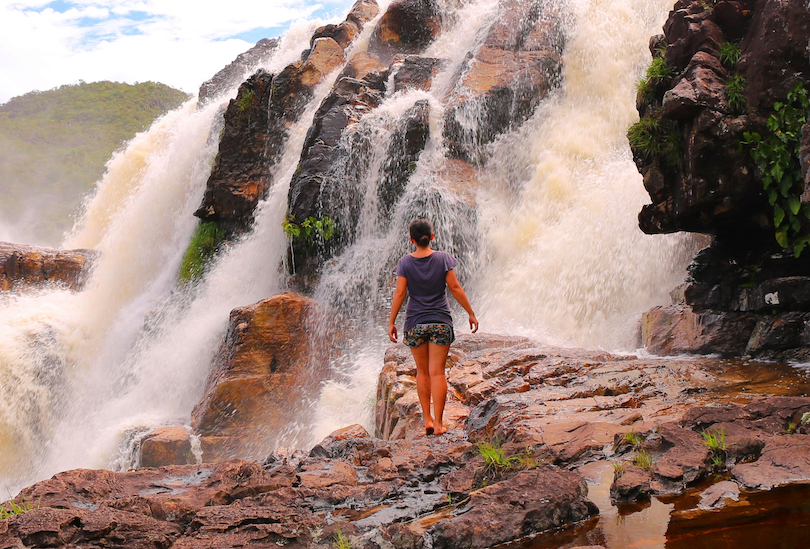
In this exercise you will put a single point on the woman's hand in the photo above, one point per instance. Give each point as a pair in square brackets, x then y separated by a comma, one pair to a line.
[392, 333]
[473, 323]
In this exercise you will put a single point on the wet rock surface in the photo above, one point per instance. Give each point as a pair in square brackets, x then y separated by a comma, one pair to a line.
[23, 266]
[500, 86]
[376, 493]
[264, 373]
[573, 407]
[552, 411]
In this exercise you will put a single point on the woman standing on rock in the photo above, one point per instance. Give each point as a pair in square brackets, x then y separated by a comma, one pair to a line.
[424, 275]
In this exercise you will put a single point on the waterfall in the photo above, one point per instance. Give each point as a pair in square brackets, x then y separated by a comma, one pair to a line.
[548, 247]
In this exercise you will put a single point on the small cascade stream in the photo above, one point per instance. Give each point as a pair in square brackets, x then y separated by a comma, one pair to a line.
[548, 247]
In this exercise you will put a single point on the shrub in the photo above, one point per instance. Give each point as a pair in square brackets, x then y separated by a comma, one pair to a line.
[643, 459]
[777, 157]
[309, 229]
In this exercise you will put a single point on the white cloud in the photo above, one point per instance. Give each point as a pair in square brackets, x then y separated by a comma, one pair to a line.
[44, 44]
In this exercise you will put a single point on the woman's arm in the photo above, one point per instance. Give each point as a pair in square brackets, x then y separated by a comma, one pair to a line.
[396, 305]
[458, 292]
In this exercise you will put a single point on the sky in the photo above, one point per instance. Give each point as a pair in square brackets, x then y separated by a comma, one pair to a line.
[182, 43]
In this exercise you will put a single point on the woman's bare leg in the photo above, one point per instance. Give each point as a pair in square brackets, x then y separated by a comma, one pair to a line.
[437, 356]
[423, 385]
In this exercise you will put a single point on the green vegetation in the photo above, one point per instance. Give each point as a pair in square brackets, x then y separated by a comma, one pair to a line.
[493, 455]
[10, 508]
[54, 146]
[341, 541]
[655, 137]
[204, 242]
[735, 93]
[246, 101]
[497, 466]
[777, 157]
[730, 55]
[618, 469]
[715, 440]
[642, 458]
[653, 82]
[309, 229]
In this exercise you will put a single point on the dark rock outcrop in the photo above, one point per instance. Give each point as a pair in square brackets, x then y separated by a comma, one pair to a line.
[745, 294]
[23, 266]
[408, 26]
[256, 128]
[234, 73]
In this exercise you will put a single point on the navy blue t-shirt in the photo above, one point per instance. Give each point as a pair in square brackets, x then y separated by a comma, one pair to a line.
[427, 303]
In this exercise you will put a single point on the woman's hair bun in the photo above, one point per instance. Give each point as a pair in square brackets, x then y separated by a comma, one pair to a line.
[421, 230]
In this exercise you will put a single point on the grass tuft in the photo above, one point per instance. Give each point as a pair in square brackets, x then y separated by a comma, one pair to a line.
[730, 55]
[735, 94]
[643, 459]
[658, 74]
[655, 137]
[10, 508]
[341, 541]
[618, 470]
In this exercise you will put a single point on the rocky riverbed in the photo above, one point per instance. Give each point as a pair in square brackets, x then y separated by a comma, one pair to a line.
[561, 418]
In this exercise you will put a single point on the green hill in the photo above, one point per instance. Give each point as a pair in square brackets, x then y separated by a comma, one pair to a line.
[54, 144]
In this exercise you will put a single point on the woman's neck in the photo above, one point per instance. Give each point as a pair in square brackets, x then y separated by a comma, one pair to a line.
[422, 252]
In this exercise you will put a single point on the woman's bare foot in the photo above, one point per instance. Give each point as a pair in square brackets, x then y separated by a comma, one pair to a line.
[440, 430]
[429, 429]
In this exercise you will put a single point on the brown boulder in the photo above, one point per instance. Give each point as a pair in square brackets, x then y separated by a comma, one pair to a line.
[678, 329]
[166, 446]
[408, 26]
[529, 503]
[785, 459]
[701, 87]
[23, 266]
[265, 370]
[683, 461]
[413, 72]
[631, 486]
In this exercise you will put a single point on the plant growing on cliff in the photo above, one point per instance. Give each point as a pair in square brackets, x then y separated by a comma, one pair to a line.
[657, 138]
[204, 242]
[777, 157]
[309, 229]
[735, 93]
[791, 428]
[654, 80]
[246, 101]
[730, 55]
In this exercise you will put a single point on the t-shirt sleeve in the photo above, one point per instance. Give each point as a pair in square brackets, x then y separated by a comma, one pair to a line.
[449, 262]
[401, 267]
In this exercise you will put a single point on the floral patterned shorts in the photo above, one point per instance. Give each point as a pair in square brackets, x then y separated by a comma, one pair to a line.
[440, 334]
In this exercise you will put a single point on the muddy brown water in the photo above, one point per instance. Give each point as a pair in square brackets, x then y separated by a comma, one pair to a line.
[778, 518]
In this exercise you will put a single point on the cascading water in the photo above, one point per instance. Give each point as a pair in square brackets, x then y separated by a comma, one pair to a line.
[547, 242]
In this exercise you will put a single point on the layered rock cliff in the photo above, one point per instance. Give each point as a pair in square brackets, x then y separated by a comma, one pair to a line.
[718, 144]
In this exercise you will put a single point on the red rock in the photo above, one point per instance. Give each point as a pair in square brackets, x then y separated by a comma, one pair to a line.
[632, 486]
[23, 266]
[249, 395]
[408, 26]
[166, 446]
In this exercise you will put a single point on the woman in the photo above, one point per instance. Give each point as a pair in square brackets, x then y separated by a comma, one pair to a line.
[424, 275]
